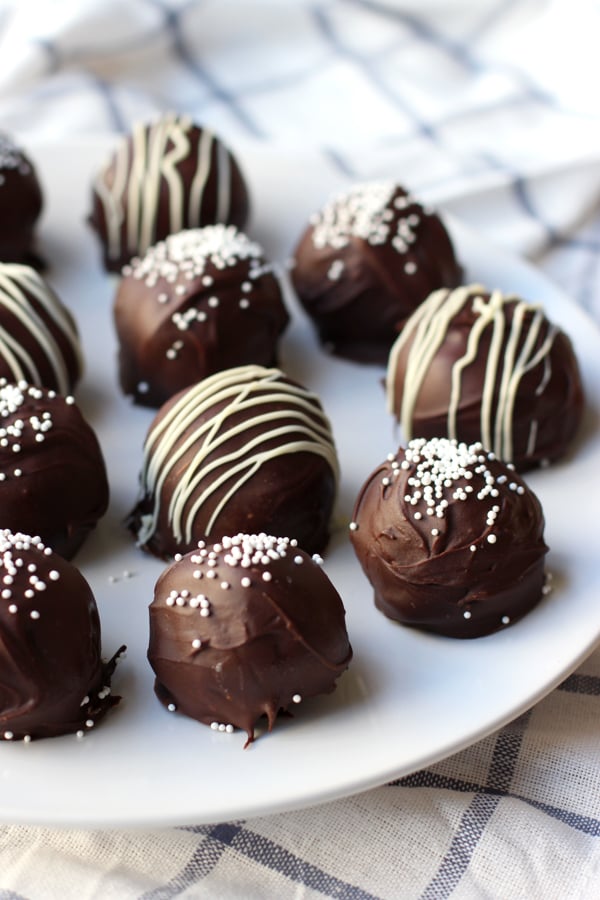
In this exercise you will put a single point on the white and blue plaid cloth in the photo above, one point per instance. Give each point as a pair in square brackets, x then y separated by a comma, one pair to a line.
[491, 110]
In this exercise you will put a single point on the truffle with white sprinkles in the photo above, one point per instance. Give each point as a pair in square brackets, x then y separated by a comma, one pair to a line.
[365, 262]
[21, 204]
[479, 365]
[247, 449]
[53, 480]
[53, 680]
[200, 301]
[451, 539]
[266, 645]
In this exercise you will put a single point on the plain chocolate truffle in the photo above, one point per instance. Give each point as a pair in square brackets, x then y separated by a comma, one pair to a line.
[21, 204]
[52, 678]
[247, 449]
[39, 341]
[451, 539]
[243, 629]
[365, 262]
[485, 366]
[53, 480]
[200, 301]
[164, 177]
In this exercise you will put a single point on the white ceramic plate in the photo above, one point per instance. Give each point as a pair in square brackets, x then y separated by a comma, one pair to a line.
[409, 699]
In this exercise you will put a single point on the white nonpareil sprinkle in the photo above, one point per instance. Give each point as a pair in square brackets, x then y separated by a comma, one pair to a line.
[222, 727]
[367, 211]
[192, 251]
[11, 156]
[443, 471]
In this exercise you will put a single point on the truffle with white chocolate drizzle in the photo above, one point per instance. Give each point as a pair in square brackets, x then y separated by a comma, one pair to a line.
[164, 177]
[39, 341]
[200, 301]
[363, 264]
[247, 449]
[245, 628]
[486, 366]
[53, 680]
[451, 539]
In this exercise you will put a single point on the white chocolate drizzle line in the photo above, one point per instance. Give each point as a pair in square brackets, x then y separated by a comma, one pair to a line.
[241, 389]
[16, 283]
[428, 328]
[140, 166]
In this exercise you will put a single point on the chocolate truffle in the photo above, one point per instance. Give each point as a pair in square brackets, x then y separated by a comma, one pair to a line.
[202, 300]
[52, 677]
[39, 341]
[484, 366]
[164, 177]
[52, 475]
[20, 202]
[451, 539]
[247, 449]
[243, 629]
[365, 262]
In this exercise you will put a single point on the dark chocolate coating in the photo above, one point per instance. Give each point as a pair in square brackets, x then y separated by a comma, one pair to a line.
[365, 263]
[211, 453]
[53, 477]
[254, 647]
[52, 677]
[472, 570]
[164, 177]
[201, 301]
[21, 204]
[39, 341]
[534, 406]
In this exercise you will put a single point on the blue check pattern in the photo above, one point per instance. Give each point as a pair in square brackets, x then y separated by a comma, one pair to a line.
[490, 110]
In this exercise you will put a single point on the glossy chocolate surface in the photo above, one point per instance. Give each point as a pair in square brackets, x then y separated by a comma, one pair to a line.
[53, 480]
[201, 301]
[244, 629]
[246, 450]
[164, 177]
[365, 262]
[52, 677]
[485, 366]
[451, 539]
[21, 204]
